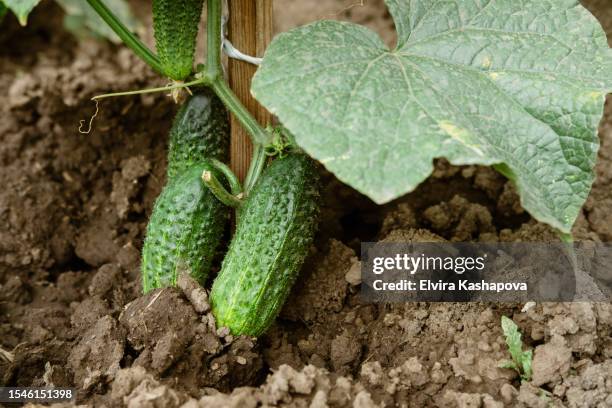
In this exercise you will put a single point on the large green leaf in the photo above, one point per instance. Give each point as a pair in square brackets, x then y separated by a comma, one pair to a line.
[21, 8]
[517, 84]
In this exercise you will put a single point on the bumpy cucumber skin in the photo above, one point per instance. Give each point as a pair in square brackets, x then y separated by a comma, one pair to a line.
[184, 231]
[275, 230]
[175, 25]
[200, 130]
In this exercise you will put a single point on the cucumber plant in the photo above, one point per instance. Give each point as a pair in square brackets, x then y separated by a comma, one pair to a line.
[519, 86]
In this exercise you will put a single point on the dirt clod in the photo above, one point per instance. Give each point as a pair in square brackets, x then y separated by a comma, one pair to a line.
[551, 361]
[97, 355]
[322, 286]
[150, 318]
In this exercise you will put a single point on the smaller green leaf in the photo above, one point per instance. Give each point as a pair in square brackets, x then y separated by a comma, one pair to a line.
[21, 8]
[521, 360]
[513, 338]
[526, 359]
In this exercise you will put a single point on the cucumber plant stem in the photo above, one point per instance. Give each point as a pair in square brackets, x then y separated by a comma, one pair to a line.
[126, 35]
[219, 191]
[199, 81]
[214, 12]
[258, 135]
[234, 183]
[256, 167]
[214, 75]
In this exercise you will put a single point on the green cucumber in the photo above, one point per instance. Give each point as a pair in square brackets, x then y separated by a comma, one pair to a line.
[175, 26]
[184, 231]
[200, 130]
[276, 227]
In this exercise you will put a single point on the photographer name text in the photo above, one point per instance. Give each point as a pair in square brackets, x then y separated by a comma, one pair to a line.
[426, 285]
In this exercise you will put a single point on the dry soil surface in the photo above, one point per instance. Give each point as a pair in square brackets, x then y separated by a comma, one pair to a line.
[73, 209]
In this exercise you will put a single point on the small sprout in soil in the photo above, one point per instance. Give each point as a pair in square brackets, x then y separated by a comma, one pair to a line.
[521, 360]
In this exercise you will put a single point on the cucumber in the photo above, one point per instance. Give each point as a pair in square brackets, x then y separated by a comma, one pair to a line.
[276, 227]
[184, 231]
[200, 130]
[175, 26]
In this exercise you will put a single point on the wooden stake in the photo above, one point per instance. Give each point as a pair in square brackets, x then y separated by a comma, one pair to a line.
[250, 31]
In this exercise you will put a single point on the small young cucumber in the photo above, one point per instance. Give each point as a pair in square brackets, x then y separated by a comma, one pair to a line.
[184, 231]
[175, 26]
[276, 227]
[200, 130]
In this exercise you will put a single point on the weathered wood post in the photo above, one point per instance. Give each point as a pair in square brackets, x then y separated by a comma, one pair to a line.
[250, 30]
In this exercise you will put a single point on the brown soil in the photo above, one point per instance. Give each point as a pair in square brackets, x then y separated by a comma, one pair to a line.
[73, 208]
